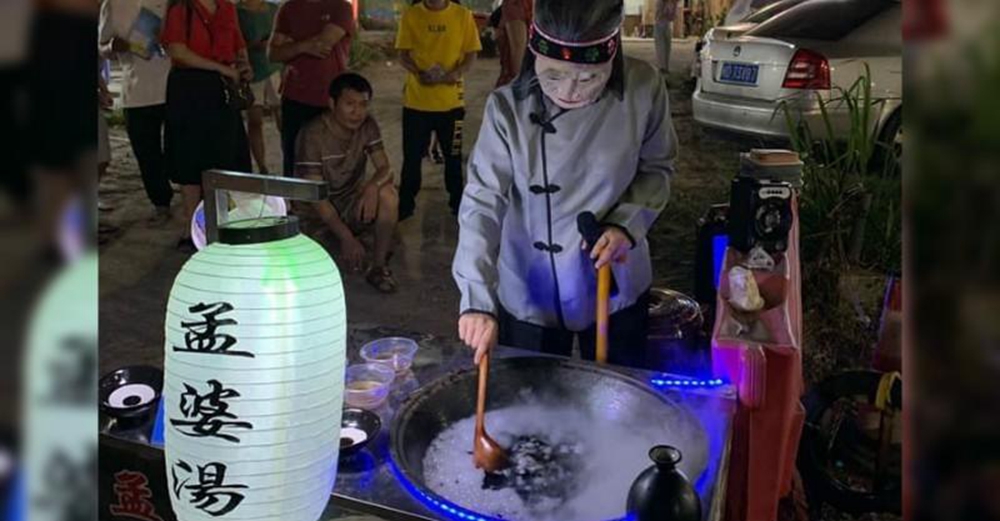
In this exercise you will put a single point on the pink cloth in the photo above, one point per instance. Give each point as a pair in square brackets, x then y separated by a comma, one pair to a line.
[768, 376]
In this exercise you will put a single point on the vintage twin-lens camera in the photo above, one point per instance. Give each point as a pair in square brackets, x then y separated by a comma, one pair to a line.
[760, 204]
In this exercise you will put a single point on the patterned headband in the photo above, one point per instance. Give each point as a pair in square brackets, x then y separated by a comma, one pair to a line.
[593, 52]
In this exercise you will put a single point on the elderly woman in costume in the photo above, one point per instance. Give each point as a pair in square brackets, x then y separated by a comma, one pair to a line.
[582, 129]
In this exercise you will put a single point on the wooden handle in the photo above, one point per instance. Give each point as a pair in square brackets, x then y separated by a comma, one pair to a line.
[484, 370]
[603, 303]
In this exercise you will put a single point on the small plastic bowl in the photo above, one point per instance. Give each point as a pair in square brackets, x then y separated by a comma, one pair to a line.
[130, 394]
[357, 428]
[394, 352]
[367, 385]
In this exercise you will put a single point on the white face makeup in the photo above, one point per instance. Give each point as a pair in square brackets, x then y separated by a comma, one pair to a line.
[571, 85]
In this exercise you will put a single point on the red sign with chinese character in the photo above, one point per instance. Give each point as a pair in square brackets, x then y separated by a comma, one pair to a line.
[133, 495]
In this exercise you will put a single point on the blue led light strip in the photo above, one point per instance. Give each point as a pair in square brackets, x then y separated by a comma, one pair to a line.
[156, 437]
[451, 510]
[689, 383]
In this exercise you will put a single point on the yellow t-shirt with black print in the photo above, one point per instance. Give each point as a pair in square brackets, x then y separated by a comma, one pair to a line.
[436, 37]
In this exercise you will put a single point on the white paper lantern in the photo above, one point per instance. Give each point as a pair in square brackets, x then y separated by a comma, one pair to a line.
[254, 376]
[60, 379]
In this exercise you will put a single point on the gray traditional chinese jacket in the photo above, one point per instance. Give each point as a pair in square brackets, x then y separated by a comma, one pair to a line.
[519, 246]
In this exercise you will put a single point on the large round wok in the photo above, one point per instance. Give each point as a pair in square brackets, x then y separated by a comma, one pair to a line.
[607, 395]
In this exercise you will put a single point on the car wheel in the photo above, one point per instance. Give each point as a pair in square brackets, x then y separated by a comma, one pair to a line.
[889, 147]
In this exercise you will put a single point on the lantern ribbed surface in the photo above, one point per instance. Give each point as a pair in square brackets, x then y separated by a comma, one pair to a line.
[253, 382]
[58, 438]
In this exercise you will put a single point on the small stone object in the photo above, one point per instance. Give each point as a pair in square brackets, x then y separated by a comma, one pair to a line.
[744, 295]
[759, 259]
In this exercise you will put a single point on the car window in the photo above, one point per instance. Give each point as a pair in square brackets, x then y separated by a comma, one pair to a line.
[769, 11]
[828, 20]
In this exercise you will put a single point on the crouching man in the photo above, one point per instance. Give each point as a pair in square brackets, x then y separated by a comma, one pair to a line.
[336, 148]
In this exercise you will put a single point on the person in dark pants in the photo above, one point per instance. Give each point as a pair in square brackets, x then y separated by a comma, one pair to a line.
[313, 39]
[206, 47]
[145, 128]
[627, 331]
[438, 41]
[418, 126]
[583, 128]
[144, 95]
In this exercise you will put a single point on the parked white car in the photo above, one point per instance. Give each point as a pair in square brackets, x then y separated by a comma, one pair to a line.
[803, 52]
[738, 27]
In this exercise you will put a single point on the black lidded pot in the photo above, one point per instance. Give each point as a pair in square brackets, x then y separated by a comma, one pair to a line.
[662, 492]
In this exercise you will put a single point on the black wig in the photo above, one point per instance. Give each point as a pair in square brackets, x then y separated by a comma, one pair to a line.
[576, 21]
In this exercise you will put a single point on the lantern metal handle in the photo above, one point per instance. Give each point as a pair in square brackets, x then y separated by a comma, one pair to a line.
[216, 184]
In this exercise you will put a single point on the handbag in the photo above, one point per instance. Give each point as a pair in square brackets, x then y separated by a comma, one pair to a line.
[238, 94]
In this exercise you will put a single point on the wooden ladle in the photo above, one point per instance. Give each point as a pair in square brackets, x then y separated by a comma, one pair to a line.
[487, 454]
[603, 313]
[590, 230]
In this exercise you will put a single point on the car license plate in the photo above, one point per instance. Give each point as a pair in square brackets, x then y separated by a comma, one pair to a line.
[738, 73]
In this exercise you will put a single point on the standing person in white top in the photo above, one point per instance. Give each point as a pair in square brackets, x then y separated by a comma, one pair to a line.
[129, 33]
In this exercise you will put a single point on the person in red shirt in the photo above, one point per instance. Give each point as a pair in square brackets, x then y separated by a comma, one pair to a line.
[512, 38]
[206, 48]
[313, 39]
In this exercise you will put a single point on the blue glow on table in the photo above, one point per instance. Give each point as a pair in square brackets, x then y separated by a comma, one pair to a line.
[688, 383]
[156, 437]
[719, 244]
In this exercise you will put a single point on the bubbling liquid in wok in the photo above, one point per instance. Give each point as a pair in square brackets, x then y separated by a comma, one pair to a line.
[565, 464]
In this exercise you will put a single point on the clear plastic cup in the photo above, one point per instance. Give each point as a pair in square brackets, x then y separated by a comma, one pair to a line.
[367, 385]
[394, 352]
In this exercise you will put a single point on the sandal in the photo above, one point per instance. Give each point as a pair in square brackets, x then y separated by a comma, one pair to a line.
[382, 279]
